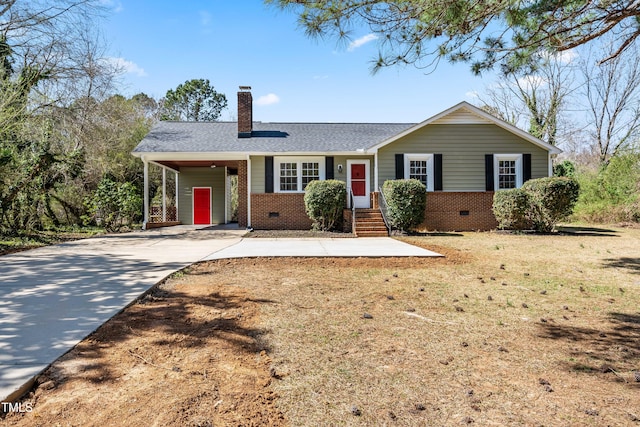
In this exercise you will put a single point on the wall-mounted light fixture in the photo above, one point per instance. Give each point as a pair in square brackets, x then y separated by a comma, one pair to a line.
[339, 168]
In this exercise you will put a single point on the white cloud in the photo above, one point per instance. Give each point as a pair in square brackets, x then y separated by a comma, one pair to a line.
[472, 94]
[114, 5]
[323, 77]
[567, 56]
[126, 67]
[564, 57]
[532, 81]
[205, 18]
[269, 99]
[361, 41]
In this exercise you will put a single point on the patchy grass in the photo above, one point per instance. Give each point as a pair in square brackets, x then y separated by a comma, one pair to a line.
[35, 239]
[505, 330]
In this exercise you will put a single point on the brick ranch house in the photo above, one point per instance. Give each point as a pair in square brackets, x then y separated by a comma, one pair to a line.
[462, 155]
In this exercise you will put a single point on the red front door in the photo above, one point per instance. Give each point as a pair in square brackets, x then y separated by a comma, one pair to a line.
[358, 179]
[202, 205]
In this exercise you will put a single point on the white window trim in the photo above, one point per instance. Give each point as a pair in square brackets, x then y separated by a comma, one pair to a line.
[420, 157]
[496, 169]
[298, 160]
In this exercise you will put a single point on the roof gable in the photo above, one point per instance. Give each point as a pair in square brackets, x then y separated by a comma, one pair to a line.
[465, 113]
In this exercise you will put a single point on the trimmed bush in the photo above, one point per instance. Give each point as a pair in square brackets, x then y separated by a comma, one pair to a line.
[324, 202]
[556, 198]
[540, 204]
[406, 202]
[512, 209]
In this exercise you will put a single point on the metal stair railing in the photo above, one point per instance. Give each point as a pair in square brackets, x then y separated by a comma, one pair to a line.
[382, 205]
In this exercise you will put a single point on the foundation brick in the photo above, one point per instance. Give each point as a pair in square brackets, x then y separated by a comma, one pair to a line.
[444, 210]
[279, 211]
[242, 194]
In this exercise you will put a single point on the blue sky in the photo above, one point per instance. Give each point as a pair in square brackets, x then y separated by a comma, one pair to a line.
[294, 78]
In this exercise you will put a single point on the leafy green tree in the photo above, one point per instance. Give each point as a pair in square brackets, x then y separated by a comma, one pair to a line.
[48, 50]
[114, 205]
[484, 33]
[564, 168]
[194, 100]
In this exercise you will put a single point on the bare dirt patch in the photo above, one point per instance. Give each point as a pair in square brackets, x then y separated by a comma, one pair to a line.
[506, 330]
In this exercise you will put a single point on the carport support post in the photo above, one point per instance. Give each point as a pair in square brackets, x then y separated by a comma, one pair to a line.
[145, 215]
[176, 196]
[164, 195]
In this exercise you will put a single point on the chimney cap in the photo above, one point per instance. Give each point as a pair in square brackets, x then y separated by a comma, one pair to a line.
[245, 88]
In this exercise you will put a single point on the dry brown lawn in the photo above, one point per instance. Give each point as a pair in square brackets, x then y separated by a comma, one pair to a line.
[507, 329]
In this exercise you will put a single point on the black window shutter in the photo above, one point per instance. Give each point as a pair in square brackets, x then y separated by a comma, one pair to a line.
[399, 166]
[488, 172]
[437, 172]
[526, 167]
[328, 167]
[268, 174]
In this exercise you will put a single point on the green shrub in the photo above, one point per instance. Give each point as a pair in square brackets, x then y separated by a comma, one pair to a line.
[564, 168]
[555, 196]
[512, 209]
[611, 193]
[406, 202]
[324, 202]
[113, 205]
[540, 204]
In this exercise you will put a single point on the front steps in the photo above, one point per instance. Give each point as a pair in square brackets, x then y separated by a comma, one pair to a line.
[369, 223]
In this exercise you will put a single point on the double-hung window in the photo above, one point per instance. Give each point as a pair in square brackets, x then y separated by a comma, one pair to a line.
[420, 167]
[507, 171]
[294, 173]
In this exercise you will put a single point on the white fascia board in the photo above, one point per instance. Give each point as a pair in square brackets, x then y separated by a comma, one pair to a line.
[221, 155]
[501, 123]
[193, 156]
[311, 153]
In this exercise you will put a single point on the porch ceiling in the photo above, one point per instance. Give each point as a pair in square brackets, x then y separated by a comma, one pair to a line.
[177, 164]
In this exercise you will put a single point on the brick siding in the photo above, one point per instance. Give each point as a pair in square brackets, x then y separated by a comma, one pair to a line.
[286, 211]
[444, 209]
[242, 193]
[347, 224]
[443, 212]
[279, 211]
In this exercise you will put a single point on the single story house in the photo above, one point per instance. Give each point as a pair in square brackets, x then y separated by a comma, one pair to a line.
[462, 155]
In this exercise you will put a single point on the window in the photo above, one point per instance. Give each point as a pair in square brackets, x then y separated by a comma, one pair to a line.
[288, 177]
[507, 171]
[420, 167]
[310, 172]
[295, 173]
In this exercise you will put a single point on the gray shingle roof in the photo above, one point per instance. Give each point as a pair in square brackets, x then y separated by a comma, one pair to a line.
[201, 137]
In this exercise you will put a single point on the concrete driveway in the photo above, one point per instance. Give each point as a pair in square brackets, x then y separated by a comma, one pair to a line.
[53, 297]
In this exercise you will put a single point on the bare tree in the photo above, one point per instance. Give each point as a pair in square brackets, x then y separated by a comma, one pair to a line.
[612, 96]
[43, 46]
[534, 101]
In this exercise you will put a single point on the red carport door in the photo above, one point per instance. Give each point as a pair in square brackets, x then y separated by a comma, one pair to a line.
[202, 206]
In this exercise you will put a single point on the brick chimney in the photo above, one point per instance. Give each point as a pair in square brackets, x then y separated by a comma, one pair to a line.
[245, 112]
